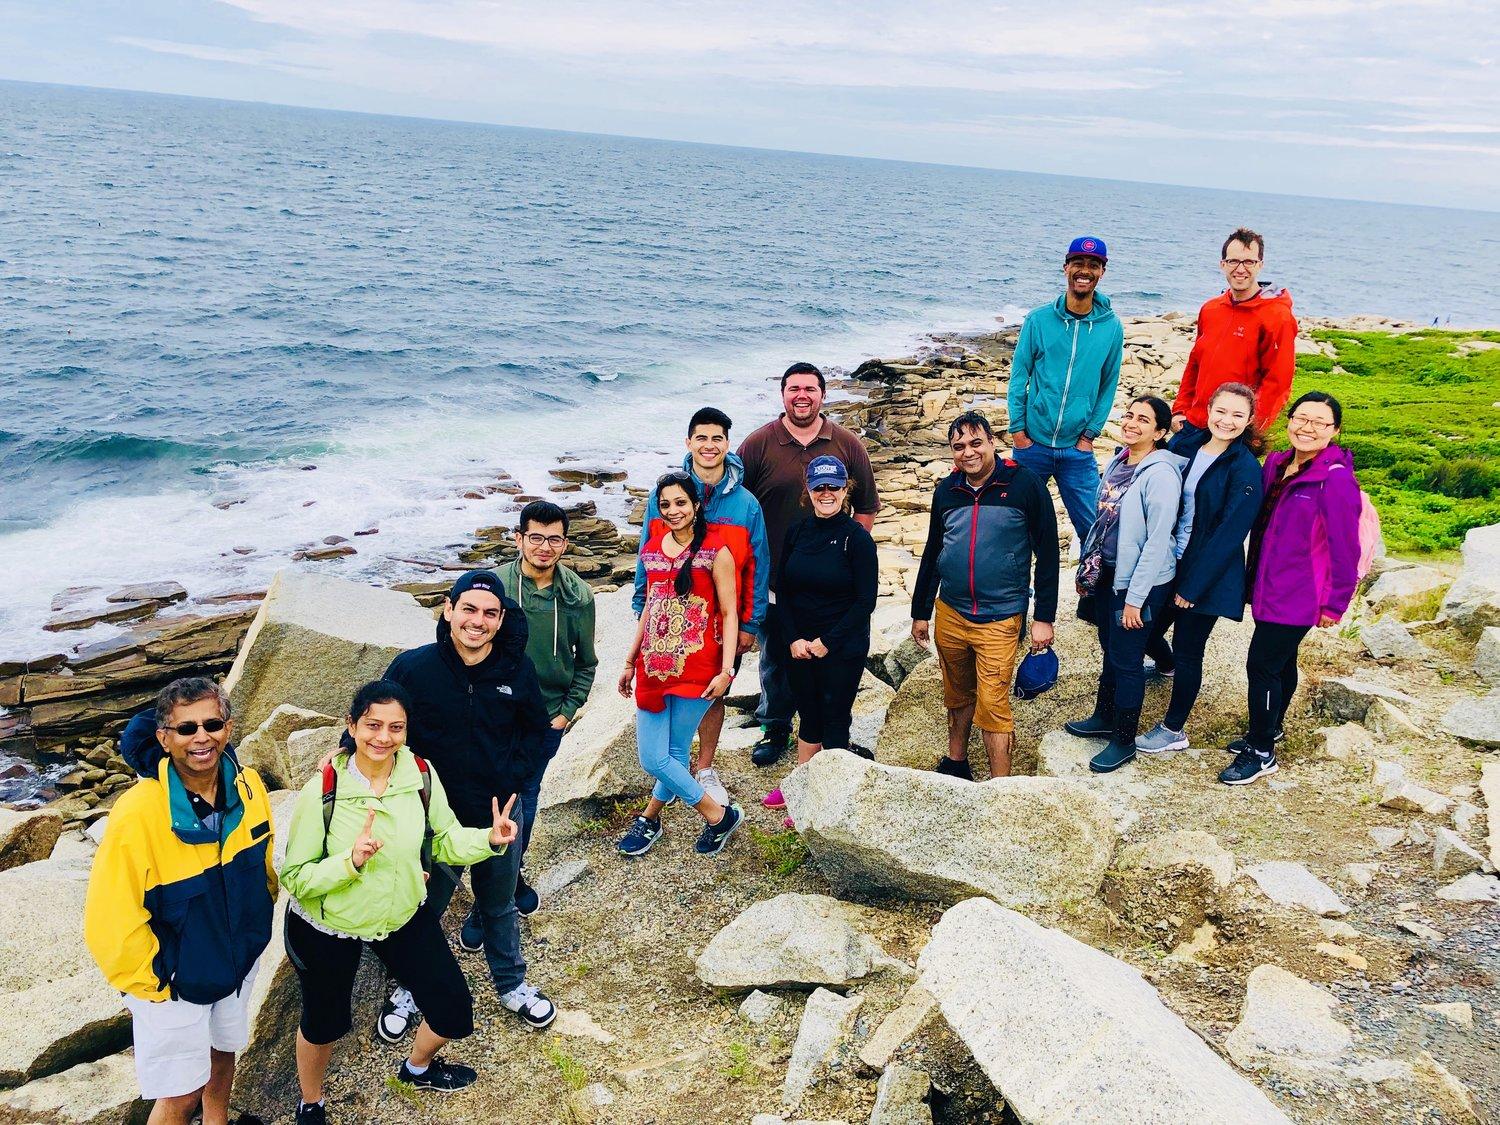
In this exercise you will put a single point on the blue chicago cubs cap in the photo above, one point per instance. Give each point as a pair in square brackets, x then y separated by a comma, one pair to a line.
[826, 470]
[1087, 246]
[1037, 673]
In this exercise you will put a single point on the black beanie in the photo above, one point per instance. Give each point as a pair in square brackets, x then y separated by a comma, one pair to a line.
[486, 580]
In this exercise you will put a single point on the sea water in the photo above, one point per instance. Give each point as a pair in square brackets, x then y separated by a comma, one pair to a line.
[229, 330]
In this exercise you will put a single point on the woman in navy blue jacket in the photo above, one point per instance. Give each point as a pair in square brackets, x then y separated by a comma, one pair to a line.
[1221, 494]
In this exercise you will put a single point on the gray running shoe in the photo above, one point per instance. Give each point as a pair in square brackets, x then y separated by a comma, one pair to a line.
[1159, 739]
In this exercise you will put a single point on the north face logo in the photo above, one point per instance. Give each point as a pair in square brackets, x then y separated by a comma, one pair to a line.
[504, 689]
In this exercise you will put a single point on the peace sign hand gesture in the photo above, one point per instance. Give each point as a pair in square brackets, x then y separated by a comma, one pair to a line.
[365, 845]
[505, 830]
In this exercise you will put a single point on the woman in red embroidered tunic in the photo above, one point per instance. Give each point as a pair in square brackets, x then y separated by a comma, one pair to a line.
[679, 663]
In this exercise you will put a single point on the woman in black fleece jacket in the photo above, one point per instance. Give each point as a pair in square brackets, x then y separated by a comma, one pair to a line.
[825, 593]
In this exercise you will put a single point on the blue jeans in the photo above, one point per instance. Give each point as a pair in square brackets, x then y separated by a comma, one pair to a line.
[664, 744]
[777, 703]
[494, 883]
[1077, 477]
[531, 792]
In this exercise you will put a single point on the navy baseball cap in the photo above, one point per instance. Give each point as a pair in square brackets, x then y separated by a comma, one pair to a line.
[1037, 673]
[486, 580]
[1087, 247]
[826, 470]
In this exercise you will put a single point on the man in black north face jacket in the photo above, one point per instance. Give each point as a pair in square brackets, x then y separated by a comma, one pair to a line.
[477, 715]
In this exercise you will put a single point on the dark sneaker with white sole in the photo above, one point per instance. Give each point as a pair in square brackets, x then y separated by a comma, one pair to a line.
[1248, 765]
[528, 902]
[1240, 745]
[642, 836]
[950, 767]
[712, 839]
[311, 1114]
[398, 1015]
[531, 1004]
[471, 933]
[443, 1077]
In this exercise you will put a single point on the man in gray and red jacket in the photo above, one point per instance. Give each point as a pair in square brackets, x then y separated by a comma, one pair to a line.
[992, 527]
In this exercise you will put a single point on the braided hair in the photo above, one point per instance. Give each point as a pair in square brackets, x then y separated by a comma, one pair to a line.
[683, 583]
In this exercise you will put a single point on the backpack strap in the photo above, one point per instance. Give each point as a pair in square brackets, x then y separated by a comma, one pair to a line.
[426, 771]
[330, 795]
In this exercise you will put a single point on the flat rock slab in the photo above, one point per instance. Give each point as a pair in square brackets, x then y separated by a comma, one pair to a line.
[1346, 699]
[793, 939]
[1452, 856]
[163, 592]
[1473, 887]
[1387, 638]
[826, 1022]
[1291, 884]
[84, 618]
[560, 877]
[1287, 1023]
[901, 1097]
[1100, 1046]
[91, 1093]
[1025, 841]
[1475, 720]
[315, 640]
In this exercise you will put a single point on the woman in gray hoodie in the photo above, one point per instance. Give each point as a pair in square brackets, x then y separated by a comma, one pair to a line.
[1125, 572]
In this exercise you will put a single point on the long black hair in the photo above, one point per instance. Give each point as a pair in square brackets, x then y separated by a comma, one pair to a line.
[683, 583]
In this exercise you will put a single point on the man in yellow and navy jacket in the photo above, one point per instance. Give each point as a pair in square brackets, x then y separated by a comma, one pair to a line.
[180, 898]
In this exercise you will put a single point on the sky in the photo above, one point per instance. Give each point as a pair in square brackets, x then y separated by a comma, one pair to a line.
[1395, 100]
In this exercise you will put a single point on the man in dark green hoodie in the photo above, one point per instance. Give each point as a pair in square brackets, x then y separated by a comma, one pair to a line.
[559, 608]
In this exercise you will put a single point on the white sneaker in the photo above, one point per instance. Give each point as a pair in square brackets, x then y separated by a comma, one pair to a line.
[397, 1015]
[531, 1004]
[709, 779]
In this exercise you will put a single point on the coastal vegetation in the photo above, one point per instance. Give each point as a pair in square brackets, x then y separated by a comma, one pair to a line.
[1421, 418]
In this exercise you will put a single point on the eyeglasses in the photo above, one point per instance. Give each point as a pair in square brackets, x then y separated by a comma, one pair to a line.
[1241, 263]
[188, 729]
[556, 542]
[1299, 422]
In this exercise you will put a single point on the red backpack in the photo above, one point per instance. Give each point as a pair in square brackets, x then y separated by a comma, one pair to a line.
[330, 794]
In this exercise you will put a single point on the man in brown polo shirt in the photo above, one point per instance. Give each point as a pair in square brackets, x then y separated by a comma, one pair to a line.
[776, 457]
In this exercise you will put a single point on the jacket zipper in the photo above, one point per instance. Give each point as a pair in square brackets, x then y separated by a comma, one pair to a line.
[1067, 382]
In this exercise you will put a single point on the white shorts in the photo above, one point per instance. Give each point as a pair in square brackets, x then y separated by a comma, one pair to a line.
[173, 1039]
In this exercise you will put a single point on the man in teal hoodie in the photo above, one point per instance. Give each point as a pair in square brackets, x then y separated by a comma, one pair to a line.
[1062, 383]
[559, 609]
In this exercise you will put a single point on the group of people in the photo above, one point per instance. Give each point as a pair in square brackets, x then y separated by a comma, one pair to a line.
[441, 760]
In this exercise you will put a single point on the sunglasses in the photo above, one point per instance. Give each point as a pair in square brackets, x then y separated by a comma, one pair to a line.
[188, 729]
[826, 487]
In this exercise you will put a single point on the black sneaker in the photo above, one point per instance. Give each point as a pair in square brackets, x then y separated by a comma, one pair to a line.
[471, 933]
[528, 902]
[951, 768]
[1240, 745]
[398, 1015]
[308, 1114]
[1249, 764]
[531, 1004]
[642, 835]
[862, 752]
[712, 839]
[773, 745]
[444, 1077]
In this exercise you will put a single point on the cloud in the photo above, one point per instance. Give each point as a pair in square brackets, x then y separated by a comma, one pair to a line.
[239, 56]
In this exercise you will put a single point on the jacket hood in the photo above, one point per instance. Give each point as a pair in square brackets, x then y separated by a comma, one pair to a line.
[144, 754]
[567, 587]
[1101, 313]
[1320, 466]
[734, 473]
[510, 641]
[1155, 457]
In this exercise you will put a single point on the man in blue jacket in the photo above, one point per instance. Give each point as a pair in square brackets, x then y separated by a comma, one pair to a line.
[477, 715]
[736, 515]
[1062, 383]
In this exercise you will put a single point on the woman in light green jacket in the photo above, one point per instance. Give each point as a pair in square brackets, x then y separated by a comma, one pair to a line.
[363, 832]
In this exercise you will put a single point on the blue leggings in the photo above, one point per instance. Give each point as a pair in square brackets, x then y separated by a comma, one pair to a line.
[664, 744]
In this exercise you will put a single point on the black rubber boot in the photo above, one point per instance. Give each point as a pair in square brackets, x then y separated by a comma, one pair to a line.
[1121, 748]
[1101, 724]
[773, 747]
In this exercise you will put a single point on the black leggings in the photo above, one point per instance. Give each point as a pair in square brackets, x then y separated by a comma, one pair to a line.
[1272, 669]
[824, 690]
[1120, 676]
[417, 954]
[1183, 657]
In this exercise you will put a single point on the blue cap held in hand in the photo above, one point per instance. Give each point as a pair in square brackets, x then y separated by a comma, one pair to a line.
[1037, 673]
[1087, 247]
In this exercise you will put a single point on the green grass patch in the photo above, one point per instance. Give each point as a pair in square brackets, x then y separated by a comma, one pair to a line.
[737, 1067]
[782, 852]
[574, 1076]
[403, 1090]
[1421, 420]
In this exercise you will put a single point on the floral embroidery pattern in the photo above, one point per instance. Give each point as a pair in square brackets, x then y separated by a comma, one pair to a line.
[675, 629]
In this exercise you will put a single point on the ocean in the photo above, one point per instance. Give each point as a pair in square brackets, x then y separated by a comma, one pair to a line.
[229, 330]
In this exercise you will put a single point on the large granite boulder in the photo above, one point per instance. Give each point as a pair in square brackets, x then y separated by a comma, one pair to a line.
[915, 733]
[597, 758]
[26, 837]
[264, 748]
[59, 1009]
[1475, 720]
[1404, 586]
[1346, 699]
[1024, 841]
[793, 939]
[315, 640]
[1487, 655]
[1099, 1045]
[1473, 601]
[91, 1093]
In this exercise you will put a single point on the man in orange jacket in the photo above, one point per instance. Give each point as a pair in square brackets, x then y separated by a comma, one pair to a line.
[1247, 334]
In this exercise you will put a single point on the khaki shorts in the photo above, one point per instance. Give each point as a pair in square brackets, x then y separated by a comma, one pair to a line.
[978, 662]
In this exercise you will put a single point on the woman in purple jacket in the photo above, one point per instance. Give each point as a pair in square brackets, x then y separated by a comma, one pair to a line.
[1304, 558]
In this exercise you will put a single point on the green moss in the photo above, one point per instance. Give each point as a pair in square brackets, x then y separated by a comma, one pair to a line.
[1421, 420]
[782, 852]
